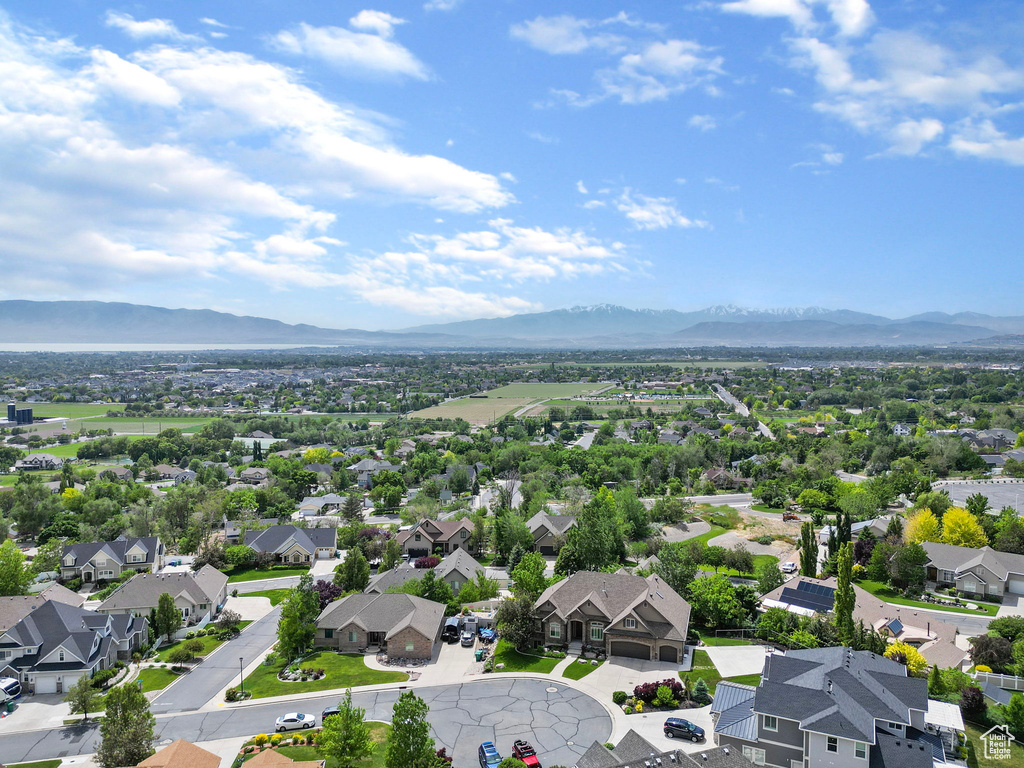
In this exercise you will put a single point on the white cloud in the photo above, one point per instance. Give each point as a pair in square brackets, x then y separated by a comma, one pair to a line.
[212, 22]
[379, 22]
[581, 188]
[910, 136]
[794, 10]
[832, 158]
[441, 5]
[150, 28]
[984, 140]
[642, 70]
[128, 80]
[349, 51]
[851, 17]
[703, 122]
[592, 204]
[653, 212]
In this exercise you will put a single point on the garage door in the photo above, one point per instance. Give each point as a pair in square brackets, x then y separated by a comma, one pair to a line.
[547, 550]
[1015, 585]
[414, 553]
[46, 684]
[667, 653]
[631, 650]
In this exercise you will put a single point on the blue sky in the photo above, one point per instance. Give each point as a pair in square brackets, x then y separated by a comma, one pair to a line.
[385, 164]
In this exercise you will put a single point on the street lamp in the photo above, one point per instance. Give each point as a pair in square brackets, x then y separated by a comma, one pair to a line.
[241, 674]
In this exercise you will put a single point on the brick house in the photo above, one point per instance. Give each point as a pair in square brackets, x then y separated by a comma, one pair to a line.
[406, 626]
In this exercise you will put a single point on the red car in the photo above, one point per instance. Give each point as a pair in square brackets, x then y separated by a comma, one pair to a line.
[526, 753]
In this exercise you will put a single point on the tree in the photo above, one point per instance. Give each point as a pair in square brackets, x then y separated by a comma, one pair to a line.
[353, 509]
[354, 573]
[908, 656]
[528, 577]
[808, 551]
[228, 620]
[514, 620]
[511, 762]
[410, 745]
[168, 616]
[739, 559]
[769, 577]
[994, 652]
[81, 696]
[845, 599]
[936, 686]
[438, 590]
[126, 733]
[345, 737]
[677, 565]
[297, 626]
[921, 527]
[594, 542]
[14, 575]
[1014, 714]
[962, 529]
[714, 602]
[906, 568]
[239, 555]
[327, 592]
[1011, 537]
[391, 556]
[977, 504]
[972, 701]
[1010, 627]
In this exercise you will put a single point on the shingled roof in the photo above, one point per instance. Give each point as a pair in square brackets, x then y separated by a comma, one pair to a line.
[390, 612]
[143, 592]
[276, 538]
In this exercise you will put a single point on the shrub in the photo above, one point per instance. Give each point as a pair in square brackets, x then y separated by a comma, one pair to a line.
[234, 592]
[647, 692]
[619, 697]
[765, 539]
[639, 708]
[101, 678]
[664, 698]
[180, 655]
[972, 701]
[74, 585]
[701, 694]
[428, 561]
[628, 710]
[261, 739]
[276, 739]
[189, 635]
[983, 668]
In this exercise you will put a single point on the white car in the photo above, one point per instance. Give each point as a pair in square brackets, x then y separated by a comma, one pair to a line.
[293, 721]
[788, 567]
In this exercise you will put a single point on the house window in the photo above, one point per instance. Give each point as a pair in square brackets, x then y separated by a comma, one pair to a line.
[754, 755]
[5, 654]
[352, 637]
[410, 646]
[555, 630]
[61, 656]
[832, 744]
[463, 533]
[860, 749]
[597, 632]
[417, 537]
[328, 634]
[629, 623]
[895, 726]
[771, 723]
[993, 589]
[970, 585]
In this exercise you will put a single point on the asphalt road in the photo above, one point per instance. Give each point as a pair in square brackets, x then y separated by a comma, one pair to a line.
[220, 669]
[561, 723]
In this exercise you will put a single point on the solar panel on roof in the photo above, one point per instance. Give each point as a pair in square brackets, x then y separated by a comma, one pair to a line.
[805, 599]
[815, 589]
[895, 626]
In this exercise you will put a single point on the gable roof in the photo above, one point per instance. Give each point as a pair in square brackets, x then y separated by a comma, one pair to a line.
[554, 523]
[14, 608]
[615, 595]
[274, 538]
[394, 577]
[116, 550]
[181, 754]
[143, 591]
[947, 557]
[459, 561]
[389, 612]
[444, 529]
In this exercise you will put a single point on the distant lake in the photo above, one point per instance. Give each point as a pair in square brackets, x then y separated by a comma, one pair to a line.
[31, 346]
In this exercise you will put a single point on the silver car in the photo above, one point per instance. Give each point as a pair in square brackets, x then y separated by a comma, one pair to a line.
[293, 721]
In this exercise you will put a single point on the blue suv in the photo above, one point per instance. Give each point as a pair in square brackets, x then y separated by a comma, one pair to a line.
[489, 757]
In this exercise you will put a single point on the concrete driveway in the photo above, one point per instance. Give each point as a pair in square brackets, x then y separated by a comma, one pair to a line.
[650, 726]
[733, 660]
[1013, 605]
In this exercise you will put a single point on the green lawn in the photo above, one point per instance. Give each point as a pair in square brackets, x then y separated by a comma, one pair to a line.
[275, 596]
[766, 508]
[544, 390]
[209, 643]
[754, 680]
[883, 592]
[759, 560]
[155, 679]
[71, 410]
[703, 669]
[379, 733]
[575, 671]
[515, 661]
[725, 641]
[343, 671]
[66, 451]
[976, 755]
[38, 764]
[716, 530]
[250, 573]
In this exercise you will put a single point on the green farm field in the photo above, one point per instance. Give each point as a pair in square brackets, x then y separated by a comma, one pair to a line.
[537, 391]
[474, 410]
[71, 410]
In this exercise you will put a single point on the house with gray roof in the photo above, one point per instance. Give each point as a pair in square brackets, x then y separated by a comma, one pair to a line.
[55, 644]
[457, 568]
[440, 536]
[626, 615]
[835, 708]
[634, 751]
[14, 608]
[106, 560]
[199, 596]
[983, 572]
[395, 577]
[40, 461]
[403, 625]
[548, 530]
[291, 544]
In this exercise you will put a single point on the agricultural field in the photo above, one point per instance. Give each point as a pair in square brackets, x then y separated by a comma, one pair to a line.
[537, 391]
[498, 402]
[71, 410]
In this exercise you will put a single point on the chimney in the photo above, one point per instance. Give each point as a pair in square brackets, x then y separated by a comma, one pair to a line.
[830, 686]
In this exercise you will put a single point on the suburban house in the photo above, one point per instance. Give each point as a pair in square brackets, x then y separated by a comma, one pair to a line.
[548, 529]
[395, 577]
[39, 461]
[181, 754]
[983, 572]
[836, 708]
[291, 544]
[442, 536]
[98, 560]
[56, 643]
[406, 626]
[116, 473]
[634, 751]
[627, 615]
[878, 527]
[166, 471]
[255, 476]
[935, 639]
[16, 607]
[366, 469]
[200, 595]
[457, 568]
[330, 502]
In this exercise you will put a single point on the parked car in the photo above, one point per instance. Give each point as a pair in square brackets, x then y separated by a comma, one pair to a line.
[489, 757]
[329, 712]
[293, 721]
[788, 567]
[525, 752]
[450, 633]
[677, 727]
[467, 638]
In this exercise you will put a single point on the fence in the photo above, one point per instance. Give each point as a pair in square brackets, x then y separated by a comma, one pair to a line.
[1007, 682]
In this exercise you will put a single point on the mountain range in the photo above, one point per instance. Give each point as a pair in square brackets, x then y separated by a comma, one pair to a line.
[600, 326]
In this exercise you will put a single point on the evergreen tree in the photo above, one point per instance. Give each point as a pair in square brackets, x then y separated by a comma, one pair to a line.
[808, 551]
[936, 686]
[845, 600]
[353, 509]
[126, 733]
